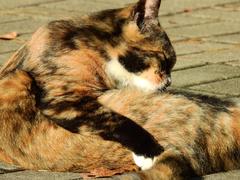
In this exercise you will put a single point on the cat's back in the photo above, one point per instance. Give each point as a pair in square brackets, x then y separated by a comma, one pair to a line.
[88, 35]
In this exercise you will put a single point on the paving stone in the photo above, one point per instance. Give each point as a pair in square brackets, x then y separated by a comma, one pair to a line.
[43, 13]
[176, 38]
[87, 6]
[4, 57]
[205, 58]
[197, 92]
[204, 74]
[206, 30]
[12, 45]
[230, 6]
[14, 4]
[26, 26]
[218, 13]
[81, 6]
[196, 46]
[233, 63]
[121, 3]
[229, 87]
[6, 18]
[231, 39]
[231, 175]
[39, 175]
[173, 6]
[236, 100]
[179, 20]
[8, 46]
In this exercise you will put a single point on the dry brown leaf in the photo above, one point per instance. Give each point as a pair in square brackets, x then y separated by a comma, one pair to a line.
[9, 36]
[187, 10]
[106, 172]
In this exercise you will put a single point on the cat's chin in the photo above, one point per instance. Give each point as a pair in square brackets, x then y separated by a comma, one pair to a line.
[147, 86]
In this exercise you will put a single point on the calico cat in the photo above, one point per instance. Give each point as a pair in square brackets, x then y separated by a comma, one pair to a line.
[200, 135]
[75, 61]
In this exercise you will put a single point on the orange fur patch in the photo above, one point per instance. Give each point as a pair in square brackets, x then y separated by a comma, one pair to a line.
[236, 125]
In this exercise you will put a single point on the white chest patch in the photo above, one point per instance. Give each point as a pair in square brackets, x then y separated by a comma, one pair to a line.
[126, 79]
[143, 84]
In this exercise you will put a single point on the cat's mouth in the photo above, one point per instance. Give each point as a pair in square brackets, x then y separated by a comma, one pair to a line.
[163, 87]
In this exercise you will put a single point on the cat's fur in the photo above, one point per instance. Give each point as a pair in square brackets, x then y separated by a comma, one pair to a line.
[75, 61]
[200, 135]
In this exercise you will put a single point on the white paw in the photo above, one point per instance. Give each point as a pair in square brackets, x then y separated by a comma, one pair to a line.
[143, 162]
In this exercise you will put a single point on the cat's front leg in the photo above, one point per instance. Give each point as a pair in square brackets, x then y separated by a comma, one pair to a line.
[171, 165]
[144, 162]
[115, 127]
[111, 126]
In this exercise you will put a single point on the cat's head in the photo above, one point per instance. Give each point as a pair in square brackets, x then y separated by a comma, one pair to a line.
[146, 57]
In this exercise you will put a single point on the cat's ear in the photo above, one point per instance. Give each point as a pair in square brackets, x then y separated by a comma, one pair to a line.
[145, 12]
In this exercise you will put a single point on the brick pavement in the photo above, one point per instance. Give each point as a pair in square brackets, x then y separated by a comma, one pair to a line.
[205, 34]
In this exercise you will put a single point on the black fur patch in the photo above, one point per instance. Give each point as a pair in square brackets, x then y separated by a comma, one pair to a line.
[114, 127]
[132, 62]
[200, 150]
[64, 36]
[85, 104]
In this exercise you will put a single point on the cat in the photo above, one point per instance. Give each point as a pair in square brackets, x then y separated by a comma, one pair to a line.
[200, 134]
[75, 61]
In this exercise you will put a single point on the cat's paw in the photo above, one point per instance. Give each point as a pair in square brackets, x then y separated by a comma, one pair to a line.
[144, 163]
